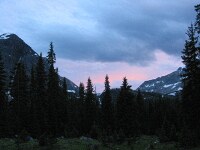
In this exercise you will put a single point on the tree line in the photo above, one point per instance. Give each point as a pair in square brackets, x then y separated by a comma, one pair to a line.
[41, 106]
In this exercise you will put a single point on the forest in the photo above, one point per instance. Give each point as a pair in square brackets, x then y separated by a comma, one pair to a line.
[41, 108]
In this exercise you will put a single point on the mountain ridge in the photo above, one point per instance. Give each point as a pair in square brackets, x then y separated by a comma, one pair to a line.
[13, 49]
[168, 84]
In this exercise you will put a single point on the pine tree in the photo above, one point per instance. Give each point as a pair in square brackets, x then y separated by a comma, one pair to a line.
[51, 55]
[61, 104]
[3, 102]
[53, 91]
[52, 97]
[141, 111]
[197, 29]
[190, 71]
[90, 111]
[41, 95]
[126, 111]
[64, 112]
[82, 93]
[190, 95]
[190, 59]
[19, 92]
[64, 88]
[107, 109]
[81, 107]
[34, 127]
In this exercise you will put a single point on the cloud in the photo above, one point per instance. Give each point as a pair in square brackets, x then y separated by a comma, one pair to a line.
[156, 23]
[100, 31]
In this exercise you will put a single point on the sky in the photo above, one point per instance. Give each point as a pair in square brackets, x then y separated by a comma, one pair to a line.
[141, 40]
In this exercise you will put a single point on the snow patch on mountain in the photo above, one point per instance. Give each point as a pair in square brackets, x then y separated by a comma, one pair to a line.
[71, 91]
[5, 36]
[168, 84]
[172, 94]
[180, 88]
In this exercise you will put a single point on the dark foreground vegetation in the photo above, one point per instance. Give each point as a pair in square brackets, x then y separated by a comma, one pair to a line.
[140, 143]
[37, 112]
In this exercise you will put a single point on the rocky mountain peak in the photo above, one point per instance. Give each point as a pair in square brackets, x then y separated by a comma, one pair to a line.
[168, 84]
[13, 49]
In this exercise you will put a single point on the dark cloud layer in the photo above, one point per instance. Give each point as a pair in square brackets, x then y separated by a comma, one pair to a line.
[105, 31]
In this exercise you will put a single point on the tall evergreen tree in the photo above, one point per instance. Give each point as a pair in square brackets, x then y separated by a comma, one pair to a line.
[126, 114]
[190, 58]
[81, 107]
[64, 88]
[190, 95]
[34, 127]
[51, 55]
[82, 93]
[53, 94]
[107, 109]
[141, 112]
[197, 29]
[62, 106]
[90, 111]
[65, 102]
[41, 95]
[19, 92]
[3, 102]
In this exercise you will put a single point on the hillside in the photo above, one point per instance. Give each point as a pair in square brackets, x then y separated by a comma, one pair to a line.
[168, 84]
[13, 49]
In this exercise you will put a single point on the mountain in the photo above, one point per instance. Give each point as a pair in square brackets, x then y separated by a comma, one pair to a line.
[13, 49]
[146, 95]
[168, 84]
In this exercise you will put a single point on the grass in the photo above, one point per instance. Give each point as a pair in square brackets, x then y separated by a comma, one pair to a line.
[141, 143]
[10, 144]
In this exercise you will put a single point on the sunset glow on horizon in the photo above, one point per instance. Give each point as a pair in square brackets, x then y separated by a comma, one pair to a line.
[80, 71]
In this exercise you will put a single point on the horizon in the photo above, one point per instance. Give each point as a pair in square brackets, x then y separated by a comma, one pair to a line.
[138, 40]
